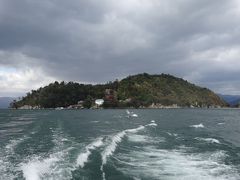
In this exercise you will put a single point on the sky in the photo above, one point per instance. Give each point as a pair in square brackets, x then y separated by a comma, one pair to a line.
[92, 41]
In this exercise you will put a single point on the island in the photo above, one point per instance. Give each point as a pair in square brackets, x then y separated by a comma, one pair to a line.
[135, 91]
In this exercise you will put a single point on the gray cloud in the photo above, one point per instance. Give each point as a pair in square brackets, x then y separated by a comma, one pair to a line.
[88, 41]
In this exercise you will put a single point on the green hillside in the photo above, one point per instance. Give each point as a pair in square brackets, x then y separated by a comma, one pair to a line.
[140, 90]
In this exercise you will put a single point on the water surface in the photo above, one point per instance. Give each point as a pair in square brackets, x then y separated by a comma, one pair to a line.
[170, 144]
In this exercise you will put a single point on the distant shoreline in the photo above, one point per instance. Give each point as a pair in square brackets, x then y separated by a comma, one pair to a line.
[138, 91]
[66, 109]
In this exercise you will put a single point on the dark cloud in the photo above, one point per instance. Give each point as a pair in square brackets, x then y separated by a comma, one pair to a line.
[88, 41]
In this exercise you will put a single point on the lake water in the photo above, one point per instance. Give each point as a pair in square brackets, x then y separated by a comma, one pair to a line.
[167, 144]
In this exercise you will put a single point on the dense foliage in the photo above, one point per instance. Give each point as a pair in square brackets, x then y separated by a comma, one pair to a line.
[138, 90]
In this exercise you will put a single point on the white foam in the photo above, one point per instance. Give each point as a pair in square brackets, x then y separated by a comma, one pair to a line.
[136, 138]
[152, 124]
[7, 168]
[198, 126]
[221, 123]
[36, 169]
[152, 163]
[118, 138]
[94, 121]
[56, 165]
[208, 140]
[135, 130]
[115, 140]
[83, 157]
[112, 146]
[134, 115]
[131, 114]
[172, 134]
[64, 139]
[110, 149]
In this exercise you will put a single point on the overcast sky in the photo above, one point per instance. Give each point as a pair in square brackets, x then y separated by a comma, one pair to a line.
[94, 41]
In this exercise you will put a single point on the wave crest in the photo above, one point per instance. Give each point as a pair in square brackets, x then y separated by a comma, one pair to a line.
[83, 157]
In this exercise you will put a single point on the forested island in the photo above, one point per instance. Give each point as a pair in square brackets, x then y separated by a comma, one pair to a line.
[137, 91]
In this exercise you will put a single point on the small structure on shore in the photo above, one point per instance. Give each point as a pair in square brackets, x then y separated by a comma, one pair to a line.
[26, 107]
[110, 95]
[79, 105]
[99, 102]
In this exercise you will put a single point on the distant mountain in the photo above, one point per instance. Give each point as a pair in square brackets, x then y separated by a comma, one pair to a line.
[232, 100]
[235, 103]
[5, 102]
[141, 90]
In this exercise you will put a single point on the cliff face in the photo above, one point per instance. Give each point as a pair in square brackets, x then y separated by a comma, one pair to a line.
[135, 91]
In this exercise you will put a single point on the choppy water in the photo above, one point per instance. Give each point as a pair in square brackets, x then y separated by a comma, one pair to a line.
[182, 144]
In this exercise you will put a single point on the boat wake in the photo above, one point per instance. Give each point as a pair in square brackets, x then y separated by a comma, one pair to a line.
[7, 169]
[56, 165]
[83, 157]
[115, 140]
[208, 140]
[136, 153]
[152, 163]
